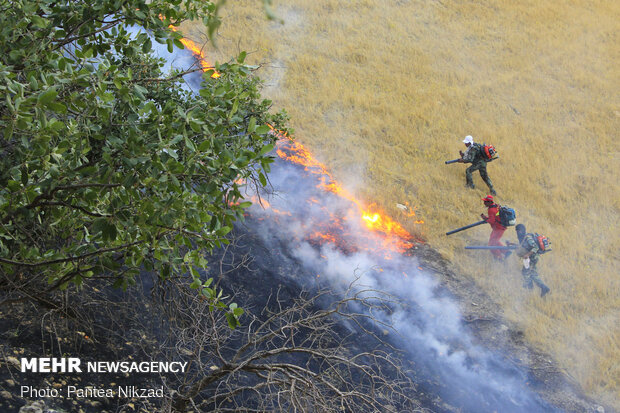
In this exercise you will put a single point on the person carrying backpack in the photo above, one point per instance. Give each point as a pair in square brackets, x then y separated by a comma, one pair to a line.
[531, 246]
[497, 229]
[476, 155]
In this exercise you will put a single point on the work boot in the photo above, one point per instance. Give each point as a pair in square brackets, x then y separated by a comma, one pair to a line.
[544, 290]
[471, 186]
[493, 192]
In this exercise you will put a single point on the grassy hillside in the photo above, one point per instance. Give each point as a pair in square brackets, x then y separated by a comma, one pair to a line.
[384, 92]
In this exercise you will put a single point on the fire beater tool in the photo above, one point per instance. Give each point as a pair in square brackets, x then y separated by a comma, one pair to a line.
[456, 160]
[491, 247]
[466, 227]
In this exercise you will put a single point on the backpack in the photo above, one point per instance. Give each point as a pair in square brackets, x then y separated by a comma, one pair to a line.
[488, 152]
[543, 243]
[507, 216]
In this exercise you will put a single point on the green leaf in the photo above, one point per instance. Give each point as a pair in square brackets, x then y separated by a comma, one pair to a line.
[8, 131]
[232, 321]
[238, 312]
[212, 24]
[24, 175]
[47, 96]
[147, 46]
[265, 149]
[140, 14]
[252, 125]
[223, 231]
[178, 44]
[109, 231]
[56, 125]
[234, 109]
[98, 225]
[13, 186]
[261, 130]
[139, 91]
[57, 107]
[39, 22]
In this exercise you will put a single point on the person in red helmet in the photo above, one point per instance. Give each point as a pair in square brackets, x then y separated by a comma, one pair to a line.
[497, 228]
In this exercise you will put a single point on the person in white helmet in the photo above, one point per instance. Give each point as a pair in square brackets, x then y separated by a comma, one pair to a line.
[474, 155]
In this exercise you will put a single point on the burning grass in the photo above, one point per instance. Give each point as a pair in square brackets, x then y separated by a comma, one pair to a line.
[386, 92]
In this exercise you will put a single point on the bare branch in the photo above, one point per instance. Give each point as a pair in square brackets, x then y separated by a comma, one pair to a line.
[297, 357]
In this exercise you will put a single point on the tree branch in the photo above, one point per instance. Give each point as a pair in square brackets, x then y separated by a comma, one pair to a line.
[84, 210]
[49, 195]
[68, 259]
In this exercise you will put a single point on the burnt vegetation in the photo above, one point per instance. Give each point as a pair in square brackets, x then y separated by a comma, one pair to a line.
[292, 355]
[307, 351]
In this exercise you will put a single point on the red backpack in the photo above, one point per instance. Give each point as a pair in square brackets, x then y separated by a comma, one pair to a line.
[489, 153]
[543, 243]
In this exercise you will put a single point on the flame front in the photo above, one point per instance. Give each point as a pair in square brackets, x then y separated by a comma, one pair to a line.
[394, 236]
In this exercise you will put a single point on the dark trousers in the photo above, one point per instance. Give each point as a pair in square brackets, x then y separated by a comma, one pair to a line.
[530, 275]
[478, 166]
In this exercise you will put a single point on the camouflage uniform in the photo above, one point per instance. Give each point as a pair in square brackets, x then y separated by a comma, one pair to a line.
[530, 275]
[474, 155]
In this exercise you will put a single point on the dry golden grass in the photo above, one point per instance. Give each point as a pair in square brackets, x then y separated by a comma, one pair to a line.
[388, 90]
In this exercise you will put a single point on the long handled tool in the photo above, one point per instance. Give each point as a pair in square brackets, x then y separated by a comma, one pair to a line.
[466, 227]
[456, 160]
[491, 247]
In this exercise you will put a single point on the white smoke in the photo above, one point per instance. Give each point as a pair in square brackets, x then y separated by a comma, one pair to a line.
[428, 324]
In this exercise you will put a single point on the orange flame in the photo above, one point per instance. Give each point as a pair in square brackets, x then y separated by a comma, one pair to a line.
[374, 219]
[197, 51]
[327, 237]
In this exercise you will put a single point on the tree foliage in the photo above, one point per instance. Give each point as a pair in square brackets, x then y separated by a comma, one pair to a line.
[107, 164]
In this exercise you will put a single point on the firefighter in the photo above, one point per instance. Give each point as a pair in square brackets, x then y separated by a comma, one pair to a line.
[473, 154]
[529, 251]
[497, 229]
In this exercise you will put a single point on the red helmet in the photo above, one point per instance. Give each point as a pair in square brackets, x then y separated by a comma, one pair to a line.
[488, 198]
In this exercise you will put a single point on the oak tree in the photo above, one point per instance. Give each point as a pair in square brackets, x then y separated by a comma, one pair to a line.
[108, 165]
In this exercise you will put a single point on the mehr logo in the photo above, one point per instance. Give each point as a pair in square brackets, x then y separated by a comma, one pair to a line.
[51, 365]
[72, 365]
